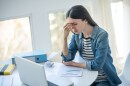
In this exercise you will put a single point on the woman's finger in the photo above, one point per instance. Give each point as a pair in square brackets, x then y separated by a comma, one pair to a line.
[69, 26]
[65, 63]
[68, 63]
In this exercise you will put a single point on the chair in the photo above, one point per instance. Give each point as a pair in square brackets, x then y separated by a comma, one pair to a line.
[125, 75]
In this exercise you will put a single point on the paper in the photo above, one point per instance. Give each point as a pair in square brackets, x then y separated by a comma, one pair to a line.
[6, 80]
[70, 71]
[1, 81]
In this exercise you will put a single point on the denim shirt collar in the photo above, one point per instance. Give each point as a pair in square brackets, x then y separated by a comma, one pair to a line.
[95, 29]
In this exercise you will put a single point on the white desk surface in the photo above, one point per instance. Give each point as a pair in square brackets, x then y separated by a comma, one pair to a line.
[87, 78]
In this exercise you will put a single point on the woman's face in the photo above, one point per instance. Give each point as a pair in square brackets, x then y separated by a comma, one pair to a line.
[77, 24]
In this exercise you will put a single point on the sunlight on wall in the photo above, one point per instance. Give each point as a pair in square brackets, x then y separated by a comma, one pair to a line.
[15, 37]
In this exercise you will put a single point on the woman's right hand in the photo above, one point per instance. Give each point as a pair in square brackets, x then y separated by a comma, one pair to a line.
[67, 29]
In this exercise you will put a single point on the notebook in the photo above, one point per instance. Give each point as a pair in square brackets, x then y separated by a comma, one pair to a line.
[6, 69]
[69, 71]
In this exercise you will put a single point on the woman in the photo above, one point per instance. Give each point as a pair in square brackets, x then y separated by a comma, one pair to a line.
[92, 43]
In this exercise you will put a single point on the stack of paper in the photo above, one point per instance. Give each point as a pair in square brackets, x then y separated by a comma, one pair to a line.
[69, 71]
[6, 80]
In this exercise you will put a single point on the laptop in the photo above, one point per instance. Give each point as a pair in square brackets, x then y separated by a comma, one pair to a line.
[33, 74]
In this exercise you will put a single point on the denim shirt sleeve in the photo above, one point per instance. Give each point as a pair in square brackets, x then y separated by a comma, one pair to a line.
[72, 49]
[100, 53]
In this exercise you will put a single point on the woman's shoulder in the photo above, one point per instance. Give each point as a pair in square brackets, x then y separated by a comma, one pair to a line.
[100, 33]
[100, 29]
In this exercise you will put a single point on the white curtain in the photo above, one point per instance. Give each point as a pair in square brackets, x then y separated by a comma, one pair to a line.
[126, 13]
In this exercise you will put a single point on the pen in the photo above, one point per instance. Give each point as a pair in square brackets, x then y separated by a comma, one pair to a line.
[69, 74]
[72, 70]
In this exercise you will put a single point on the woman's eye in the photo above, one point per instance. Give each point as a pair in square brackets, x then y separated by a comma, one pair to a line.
[74, 24]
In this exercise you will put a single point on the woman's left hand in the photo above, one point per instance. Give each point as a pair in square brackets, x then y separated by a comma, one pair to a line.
[75, 64]
[69, 63]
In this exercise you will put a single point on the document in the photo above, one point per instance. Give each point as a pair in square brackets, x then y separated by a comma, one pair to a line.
[69, 71]
[6, 80]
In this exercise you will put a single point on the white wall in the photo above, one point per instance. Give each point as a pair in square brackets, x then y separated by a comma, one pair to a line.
[38, 11]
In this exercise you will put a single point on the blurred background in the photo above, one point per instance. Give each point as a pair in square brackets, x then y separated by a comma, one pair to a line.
[27, 25]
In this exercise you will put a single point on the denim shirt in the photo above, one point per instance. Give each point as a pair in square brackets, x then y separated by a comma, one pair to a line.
[101, 50]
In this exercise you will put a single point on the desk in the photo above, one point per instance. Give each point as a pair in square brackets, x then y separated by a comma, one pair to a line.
[87, 78]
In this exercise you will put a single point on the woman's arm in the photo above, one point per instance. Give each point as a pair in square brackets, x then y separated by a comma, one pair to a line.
[68, 53]
[75, 64]
[100, 53]
[71, 50]
[67, 29]
[65, 47]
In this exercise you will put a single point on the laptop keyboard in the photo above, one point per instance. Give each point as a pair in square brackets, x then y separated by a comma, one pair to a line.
[51, 84]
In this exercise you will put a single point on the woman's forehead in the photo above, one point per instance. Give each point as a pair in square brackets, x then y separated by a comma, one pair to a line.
[71, 20]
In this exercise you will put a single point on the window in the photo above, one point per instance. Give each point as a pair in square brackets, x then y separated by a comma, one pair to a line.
[117, 15]
[15, 37]
[57, 21]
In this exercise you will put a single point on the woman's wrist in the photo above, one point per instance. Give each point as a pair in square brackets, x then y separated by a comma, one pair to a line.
[81, 65]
